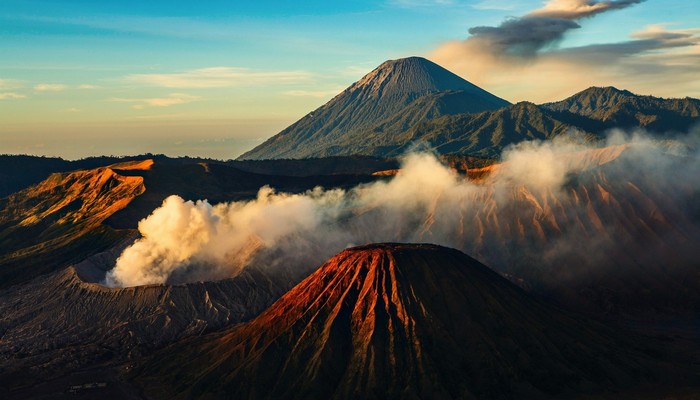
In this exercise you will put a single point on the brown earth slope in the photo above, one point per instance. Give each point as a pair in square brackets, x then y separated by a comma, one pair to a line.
[59, 221]
[400, 321]
[70, 216]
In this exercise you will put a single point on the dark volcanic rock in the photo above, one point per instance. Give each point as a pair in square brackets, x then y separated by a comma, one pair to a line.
[399, 321]
[59, 323]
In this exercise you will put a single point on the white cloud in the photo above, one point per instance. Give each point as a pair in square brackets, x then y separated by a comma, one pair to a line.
[11, 96]
[171, 100]
[517, 61]
[10, 84]
[87, 87]
[50, 87]
[214, 77]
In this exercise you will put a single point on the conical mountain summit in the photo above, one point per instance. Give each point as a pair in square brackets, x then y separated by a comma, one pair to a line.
[370, 107]
[398, 321]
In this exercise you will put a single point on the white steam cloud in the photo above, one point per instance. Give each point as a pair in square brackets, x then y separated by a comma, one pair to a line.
[548, 204]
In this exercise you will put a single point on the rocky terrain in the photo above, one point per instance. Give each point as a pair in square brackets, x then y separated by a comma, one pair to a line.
[61, 324]
[404, 321]
[60, 220]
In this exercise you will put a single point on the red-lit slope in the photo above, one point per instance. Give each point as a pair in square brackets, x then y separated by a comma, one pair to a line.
[398, 321]
[60, 220]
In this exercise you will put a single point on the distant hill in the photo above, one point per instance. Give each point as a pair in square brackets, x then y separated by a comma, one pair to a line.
[340, 165]
[397, 93]
[18, 172]
[589, 114]
[608, 107]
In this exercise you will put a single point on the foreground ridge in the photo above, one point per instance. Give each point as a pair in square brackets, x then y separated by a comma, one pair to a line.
[398, 321]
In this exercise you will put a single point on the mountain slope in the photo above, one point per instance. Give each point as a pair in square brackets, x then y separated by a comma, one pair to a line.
[410, 101]
[483, 134]
[215, 182]
[60, 220]
[60, 323]
[614, 108]
[377, 97]
[399, 321]
[589, 113]
[70, 216]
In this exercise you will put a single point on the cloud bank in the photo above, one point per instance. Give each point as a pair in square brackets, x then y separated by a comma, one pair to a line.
[171, 100]
[557, 207]
[50, 87]
[11, 96]
[522, 58]
[219, 77]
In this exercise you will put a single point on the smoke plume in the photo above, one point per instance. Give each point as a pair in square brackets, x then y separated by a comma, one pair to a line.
[557, 209]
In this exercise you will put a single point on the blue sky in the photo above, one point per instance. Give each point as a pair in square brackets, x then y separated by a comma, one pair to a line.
[215, 78]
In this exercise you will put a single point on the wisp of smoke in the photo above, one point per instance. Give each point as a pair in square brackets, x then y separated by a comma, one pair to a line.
[546, 205]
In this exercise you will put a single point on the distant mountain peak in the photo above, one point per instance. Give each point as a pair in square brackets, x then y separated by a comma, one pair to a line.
[605, 90]
[404, 92]
[410, 76]
[622, 108]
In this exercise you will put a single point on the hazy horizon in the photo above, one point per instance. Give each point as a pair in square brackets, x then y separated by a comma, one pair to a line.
[81, 79]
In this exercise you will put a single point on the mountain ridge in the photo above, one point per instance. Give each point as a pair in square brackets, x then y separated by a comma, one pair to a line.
[414, 101]
[610, 107]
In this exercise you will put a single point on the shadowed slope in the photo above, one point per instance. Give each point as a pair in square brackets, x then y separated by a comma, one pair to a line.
[484, 134]
[59, 323]
[398, 321]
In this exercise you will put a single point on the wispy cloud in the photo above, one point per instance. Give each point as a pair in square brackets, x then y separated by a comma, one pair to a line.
[184, 27]
[50, 87]
[577, 9]
[313, 93]
[9, 84]
[523, 58]
[214, 77]
[11, 96]
[87, 86]
[171, 100]
[526, 35]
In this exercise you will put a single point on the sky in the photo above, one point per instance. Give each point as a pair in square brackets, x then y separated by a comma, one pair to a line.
[215, 78]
